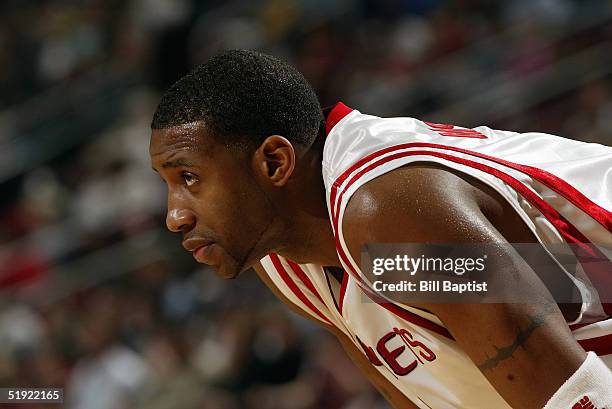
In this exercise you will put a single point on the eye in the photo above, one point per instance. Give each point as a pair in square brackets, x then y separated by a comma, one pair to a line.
[189, 178]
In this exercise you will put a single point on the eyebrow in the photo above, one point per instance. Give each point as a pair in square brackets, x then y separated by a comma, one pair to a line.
[177, 163]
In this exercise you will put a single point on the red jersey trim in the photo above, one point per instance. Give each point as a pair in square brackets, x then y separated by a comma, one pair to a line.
[410, 316]
[338, 112]
[574, 327]
[294, 288]
[304, 277]
[553, 182]
[598, 213]
[600, 345]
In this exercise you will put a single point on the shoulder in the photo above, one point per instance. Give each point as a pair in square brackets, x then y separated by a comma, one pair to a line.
[420, 201]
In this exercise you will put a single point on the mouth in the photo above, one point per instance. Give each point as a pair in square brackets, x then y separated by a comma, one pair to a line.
[200, 249]
[202, 254]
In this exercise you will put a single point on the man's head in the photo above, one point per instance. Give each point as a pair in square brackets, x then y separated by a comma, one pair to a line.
[225, 139]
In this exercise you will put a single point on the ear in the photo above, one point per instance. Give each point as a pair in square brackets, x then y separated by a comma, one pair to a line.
[274, 160]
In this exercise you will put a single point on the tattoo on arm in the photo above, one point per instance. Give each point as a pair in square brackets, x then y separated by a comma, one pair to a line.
[506, 352]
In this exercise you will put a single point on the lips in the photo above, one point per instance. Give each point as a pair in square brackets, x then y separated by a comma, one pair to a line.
[200, 249]
[202, 254]
[194, 243]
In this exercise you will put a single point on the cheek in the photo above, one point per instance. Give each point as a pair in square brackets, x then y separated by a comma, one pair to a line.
[249, 206]
[248, 210]
[234, 208]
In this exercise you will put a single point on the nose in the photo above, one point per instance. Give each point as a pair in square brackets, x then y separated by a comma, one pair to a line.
[178, 220]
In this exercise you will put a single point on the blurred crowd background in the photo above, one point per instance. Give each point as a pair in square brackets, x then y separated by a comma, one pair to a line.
[97, 298]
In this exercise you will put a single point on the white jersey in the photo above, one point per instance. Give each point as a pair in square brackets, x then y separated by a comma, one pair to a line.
[561, 188]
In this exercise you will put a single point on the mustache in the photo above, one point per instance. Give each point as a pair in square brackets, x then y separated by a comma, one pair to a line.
[201, 233]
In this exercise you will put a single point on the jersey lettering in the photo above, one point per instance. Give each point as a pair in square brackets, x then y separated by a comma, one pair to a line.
[418, 349]
[369, 353]
[390, 357]
[450, 130]
[584, 403]
[424, 352]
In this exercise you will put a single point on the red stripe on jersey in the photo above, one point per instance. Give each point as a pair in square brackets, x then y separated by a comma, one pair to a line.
[574, 327]
[407, 315]
[600, 345]
[597, 272]
[303, 277]
[343, 290]
[338, 112]
[555, 183]
[415, 319]
[598, 213]
[285, 276]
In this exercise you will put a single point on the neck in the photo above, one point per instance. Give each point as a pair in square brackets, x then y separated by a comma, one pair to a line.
[308, 236]
[310, 240]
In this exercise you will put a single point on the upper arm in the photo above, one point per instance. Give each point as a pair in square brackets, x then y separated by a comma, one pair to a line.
[512, 344]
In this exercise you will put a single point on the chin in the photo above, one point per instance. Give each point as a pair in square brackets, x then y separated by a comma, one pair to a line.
[231, 269]
[226, 273]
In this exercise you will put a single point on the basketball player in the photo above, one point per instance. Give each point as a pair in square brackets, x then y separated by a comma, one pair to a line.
[258, 176]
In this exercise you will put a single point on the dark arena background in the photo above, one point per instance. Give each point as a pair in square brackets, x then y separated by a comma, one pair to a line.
[96, 297]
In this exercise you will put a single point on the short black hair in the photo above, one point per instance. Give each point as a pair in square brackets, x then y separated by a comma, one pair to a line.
[244, 95]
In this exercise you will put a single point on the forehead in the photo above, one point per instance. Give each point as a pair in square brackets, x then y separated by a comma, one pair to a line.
[190, 137]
